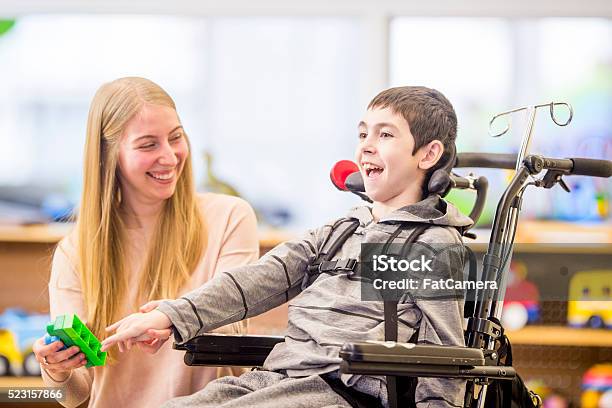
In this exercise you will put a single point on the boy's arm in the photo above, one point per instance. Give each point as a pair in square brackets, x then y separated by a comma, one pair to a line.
[239, 247]
[244, 291]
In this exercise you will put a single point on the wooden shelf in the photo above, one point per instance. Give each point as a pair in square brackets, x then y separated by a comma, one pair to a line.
[561, 336]
[535, 236]
[527, 248]
[10, 381]
[557, 232]
[269, 238]
[53, 233]
[42, 233]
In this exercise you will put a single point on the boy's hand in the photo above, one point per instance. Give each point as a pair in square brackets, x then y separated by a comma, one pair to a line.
[153, 328]
[151, 305]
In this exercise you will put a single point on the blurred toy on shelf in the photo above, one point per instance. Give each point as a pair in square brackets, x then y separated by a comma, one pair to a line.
[272, 215]
[11, 360]
[18, 332]
[521, 305]
[606, 400]
[34, 204]
[603, 204]
[6, 25]
[597, 387]
[212, 183]
[590, 299]
[550, 398]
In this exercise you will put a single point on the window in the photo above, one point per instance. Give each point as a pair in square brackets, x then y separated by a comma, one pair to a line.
[273, 99]
[489, 65]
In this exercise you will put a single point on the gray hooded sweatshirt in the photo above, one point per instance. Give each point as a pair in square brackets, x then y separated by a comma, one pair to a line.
[329, 311]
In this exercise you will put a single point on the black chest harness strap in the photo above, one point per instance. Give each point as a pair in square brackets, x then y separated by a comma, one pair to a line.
[327, 265]
[324, 263]
[390, 313]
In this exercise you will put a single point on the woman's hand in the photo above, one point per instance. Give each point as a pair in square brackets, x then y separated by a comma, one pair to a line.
[149, 330]
[58, 363]
[158, 338]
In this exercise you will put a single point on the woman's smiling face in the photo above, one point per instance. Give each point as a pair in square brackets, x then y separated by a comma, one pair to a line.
[152, 154]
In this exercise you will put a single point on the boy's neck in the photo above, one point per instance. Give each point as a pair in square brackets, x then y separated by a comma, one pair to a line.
[382, 209]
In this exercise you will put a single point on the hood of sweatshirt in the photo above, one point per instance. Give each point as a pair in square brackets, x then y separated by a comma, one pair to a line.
[431, 210]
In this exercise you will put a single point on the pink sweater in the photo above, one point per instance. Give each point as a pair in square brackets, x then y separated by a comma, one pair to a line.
[139, 379]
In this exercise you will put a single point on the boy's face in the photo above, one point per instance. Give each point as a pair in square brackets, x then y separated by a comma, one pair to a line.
[390, 171]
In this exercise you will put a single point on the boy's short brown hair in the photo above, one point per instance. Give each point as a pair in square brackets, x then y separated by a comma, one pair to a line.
[429, 114]
[430, 117]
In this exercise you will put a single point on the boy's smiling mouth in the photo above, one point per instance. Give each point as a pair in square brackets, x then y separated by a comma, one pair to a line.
[372, 170]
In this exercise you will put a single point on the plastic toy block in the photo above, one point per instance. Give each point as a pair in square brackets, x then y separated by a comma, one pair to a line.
[73, 332]
[52, 339]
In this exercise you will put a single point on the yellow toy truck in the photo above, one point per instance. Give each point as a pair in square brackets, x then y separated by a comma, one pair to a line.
[11, 359]
[590, 299]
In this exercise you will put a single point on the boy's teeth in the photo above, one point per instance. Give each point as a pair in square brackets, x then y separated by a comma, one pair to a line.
[370, 167]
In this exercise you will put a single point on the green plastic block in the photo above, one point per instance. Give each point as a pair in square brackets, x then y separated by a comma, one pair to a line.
[71, 330]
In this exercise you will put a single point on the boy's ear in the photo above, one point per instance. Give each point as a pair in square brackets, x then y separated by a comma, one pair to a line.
[431, 154]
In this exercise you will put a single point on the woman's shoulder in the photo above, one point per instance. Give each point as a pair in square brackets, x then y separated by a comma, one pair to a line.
[213, 204]
[67, 246]
[65, 261]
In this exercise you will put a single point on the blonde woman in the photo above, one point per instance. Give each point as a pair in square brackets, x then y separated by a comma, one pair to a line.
[142, 234]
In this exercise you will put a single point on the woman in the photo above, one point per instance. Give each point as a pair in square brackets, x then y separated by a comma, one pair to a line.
[142, 234]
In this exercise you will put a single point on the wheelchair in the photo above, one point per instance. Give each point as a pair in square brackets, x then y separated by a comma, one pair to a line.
[486, 361]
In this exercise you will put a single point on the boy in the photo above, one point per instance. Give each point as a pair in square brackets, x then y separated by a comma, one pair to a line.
[402, 139]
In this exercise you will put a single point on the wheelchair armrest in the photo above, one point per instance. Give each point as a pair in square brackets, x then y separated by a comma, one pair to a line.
[228, 350]
[407, 359]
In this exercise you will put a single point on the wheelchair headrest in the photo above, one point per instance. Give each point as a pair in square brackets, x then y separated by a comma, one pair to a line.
[440, 180]
[345, 176]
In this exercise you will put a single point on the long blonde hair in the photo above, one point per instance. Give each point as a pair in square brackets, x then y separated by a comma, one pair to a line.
[180, 235]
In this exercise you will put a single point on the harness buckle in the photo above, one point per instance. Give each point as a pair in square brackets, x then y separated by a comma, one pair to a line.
[346, 265]
[338, 265]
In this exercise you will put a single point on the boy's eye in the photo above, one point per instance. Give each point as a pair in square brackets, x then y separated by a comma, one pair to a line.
[385, 134]
[176, 137]
[147, 146]
[362, 135]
